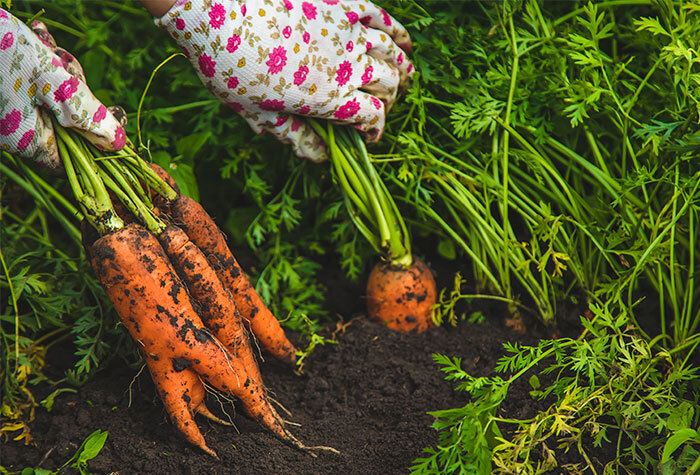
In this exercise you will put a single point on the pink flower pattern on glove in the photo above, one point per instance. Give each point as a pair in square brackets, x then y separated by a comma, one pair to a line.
[277, 60]
[348, 110]
[207, 65]
[300, 75]
[7, 40]
[270, 60]
[309, 10]
[217, 16]
[272, 105]
[66, 89]
[233, 43]
[344, 73]
[26, 139]
[100, 114]
[10, 122]
[41, 80]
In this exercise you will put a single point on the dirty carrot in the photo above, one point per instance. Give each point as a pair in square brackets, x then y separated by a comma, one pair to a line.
[205, 234]
[401, 290]
[155, 307]
[216, 305]
[402, 297]
[182, 393]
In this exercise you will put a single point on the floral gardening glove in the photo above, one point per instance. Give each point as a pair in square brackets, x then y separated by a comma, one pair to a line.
[33, 73]
[277, 61]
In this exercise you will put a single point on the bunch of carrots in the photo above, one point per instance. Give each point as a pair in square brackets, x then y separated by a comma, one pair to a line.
[175, 284]
[401, 290]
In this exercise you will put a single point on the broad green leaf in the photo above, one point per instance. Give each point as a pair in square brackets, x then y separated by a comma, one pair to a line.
[182, 173]
[189, 146]
[680, 417]
[534, 382]
[92, 445]
[676, 440]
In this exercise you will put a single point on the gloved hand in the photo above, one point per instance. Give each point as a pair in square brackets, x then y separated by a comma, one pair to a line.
[277, 61]
[38, 79]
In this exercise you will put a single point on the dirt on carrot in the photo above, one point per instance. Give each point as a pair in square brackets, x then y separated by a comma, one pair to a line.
[155, 307]
[215, 303]
[205, 234]
[402, 299]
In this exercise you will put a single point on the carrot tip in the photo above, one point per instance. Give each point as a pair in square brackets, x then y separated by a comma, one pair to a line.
[312, 450]
[203, 410]
[210, 452]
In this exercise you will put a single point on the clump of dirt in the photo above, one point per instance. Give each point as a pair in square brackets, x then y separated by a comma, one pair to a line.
[367, 396]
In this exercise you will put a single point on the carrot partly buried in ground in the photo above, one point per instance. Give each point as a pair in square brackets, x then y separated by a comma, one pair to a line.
[402, 297]
[401, 290]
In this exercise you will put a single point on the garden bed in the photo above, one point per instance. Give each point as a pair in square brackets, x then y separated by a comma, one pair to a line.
[367, 396]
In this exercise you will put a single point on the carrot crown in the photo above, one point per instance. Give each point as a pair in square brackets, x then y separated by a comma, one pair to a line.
[91, 172]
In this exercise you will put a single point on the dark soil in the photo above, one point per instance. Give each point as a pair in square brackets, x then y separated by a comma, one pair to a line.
[367, 396]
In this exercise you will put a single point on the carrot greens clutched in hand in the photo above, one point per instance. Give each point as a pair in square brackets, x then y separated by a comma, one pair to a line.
[401, 290]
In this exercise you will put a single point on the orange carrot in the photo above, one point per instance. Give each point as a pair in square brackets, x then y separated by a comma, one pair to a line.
[217, 309]
[182, 393]
[402, 298]
[205, 234]
[155, 307]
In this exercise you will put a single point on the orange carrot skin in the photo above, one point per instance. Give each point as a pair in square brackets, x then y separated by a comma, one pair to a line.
[216, 305]
[154, 305]
[182, 392]
[204, 233]
[402, 298]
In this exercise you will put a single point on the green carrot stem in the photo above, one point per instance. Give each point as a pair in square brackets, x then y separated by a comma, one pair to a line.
[362, 227]
[137, 165]
[132, 181]
[119, 185]
[32, 189]
[349, 181]
[97, 206]
[400, 245]
[379, 220]
[363, 190]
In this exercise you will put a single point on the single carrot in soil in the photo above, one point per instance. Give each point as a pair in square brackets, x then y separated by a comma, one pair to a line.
[402, 298]
[401, 290]
[205, 234]
[154, 305]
